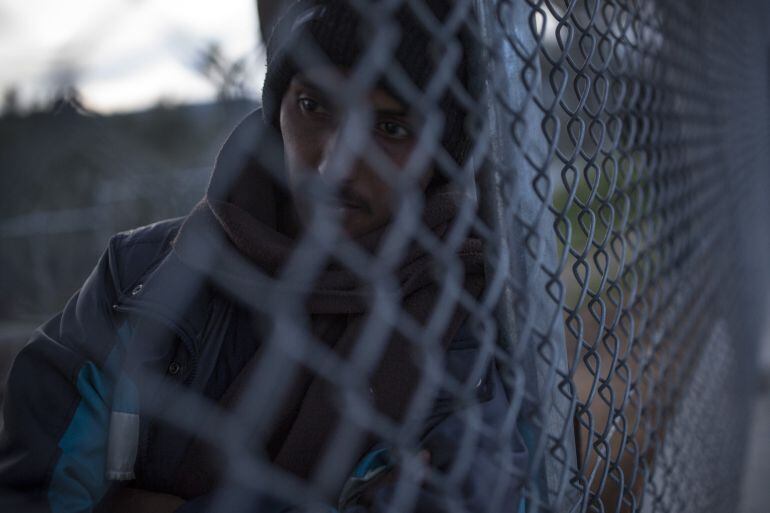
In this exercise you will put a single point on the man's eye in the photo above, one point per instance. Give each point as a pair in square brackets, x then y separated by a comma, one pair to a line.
[393, 130]
[310, 105]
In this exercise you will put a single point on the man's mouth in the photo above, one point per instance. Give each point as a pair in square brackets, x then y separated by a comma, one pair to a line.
[348, 205]
[350, 201]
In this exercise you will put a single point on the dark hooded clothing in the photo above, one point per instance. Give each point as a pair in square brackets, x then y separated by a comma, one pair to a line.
[110, 389]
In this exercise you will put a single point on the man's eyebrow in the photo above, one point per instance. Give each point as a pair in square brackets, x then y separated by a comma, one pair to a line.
[303, 80]
[395, 112]
[309, 84]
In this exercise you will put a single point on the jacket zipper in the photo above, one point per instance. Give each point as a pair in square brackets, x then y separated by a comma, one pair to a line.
[185, 337]
[210, 321]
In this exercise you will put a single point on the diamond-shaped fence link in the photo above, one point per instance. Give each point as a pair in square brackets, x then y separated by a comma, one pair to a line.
[479, 255]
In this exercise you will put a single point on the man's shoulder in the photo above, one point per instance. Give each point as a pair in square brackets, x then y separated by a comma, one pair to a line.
[133, 252]
[158, 233]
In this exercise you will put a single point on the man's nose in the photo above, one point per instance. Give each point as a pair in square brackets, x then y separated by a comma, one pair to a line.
[338, 162]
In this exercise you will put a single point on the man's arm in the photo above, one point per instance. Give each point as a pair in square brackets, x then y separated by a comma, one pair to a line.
[134, 500]
[55, 414]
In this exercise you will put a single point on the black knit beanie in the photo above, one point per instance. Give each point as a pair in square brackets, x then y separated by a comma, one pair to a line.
[338, 30]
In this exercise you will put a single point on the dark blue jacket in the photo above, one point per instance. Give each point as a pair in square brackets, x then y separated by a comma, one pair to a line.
[66, 385]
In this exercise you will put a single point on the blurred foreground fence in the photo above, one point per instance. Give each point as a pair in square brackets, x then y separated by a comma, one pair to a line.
[619, 183]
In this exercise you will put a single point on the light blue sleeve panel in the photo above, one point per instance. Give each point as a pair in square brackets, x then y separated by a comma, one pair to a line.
[78, 481]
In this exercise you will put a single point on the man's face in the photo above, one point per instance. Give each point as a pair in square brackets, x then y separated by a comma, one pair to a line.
[311, 126]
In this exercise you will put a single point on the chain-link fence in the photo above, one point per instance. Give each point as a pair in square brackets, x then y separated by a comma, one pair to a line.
[476, 255]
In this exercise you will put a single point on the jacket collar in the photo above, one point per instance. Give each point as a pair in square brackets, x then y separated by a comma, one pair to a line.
[172, 293]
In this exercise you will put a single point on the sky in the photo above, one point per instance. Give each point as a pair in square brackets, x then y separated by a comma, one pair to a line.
[122, 55]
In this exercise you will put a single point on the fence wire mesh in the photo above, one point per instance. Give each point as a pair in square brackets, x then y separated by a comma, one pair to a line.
[480, 255]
